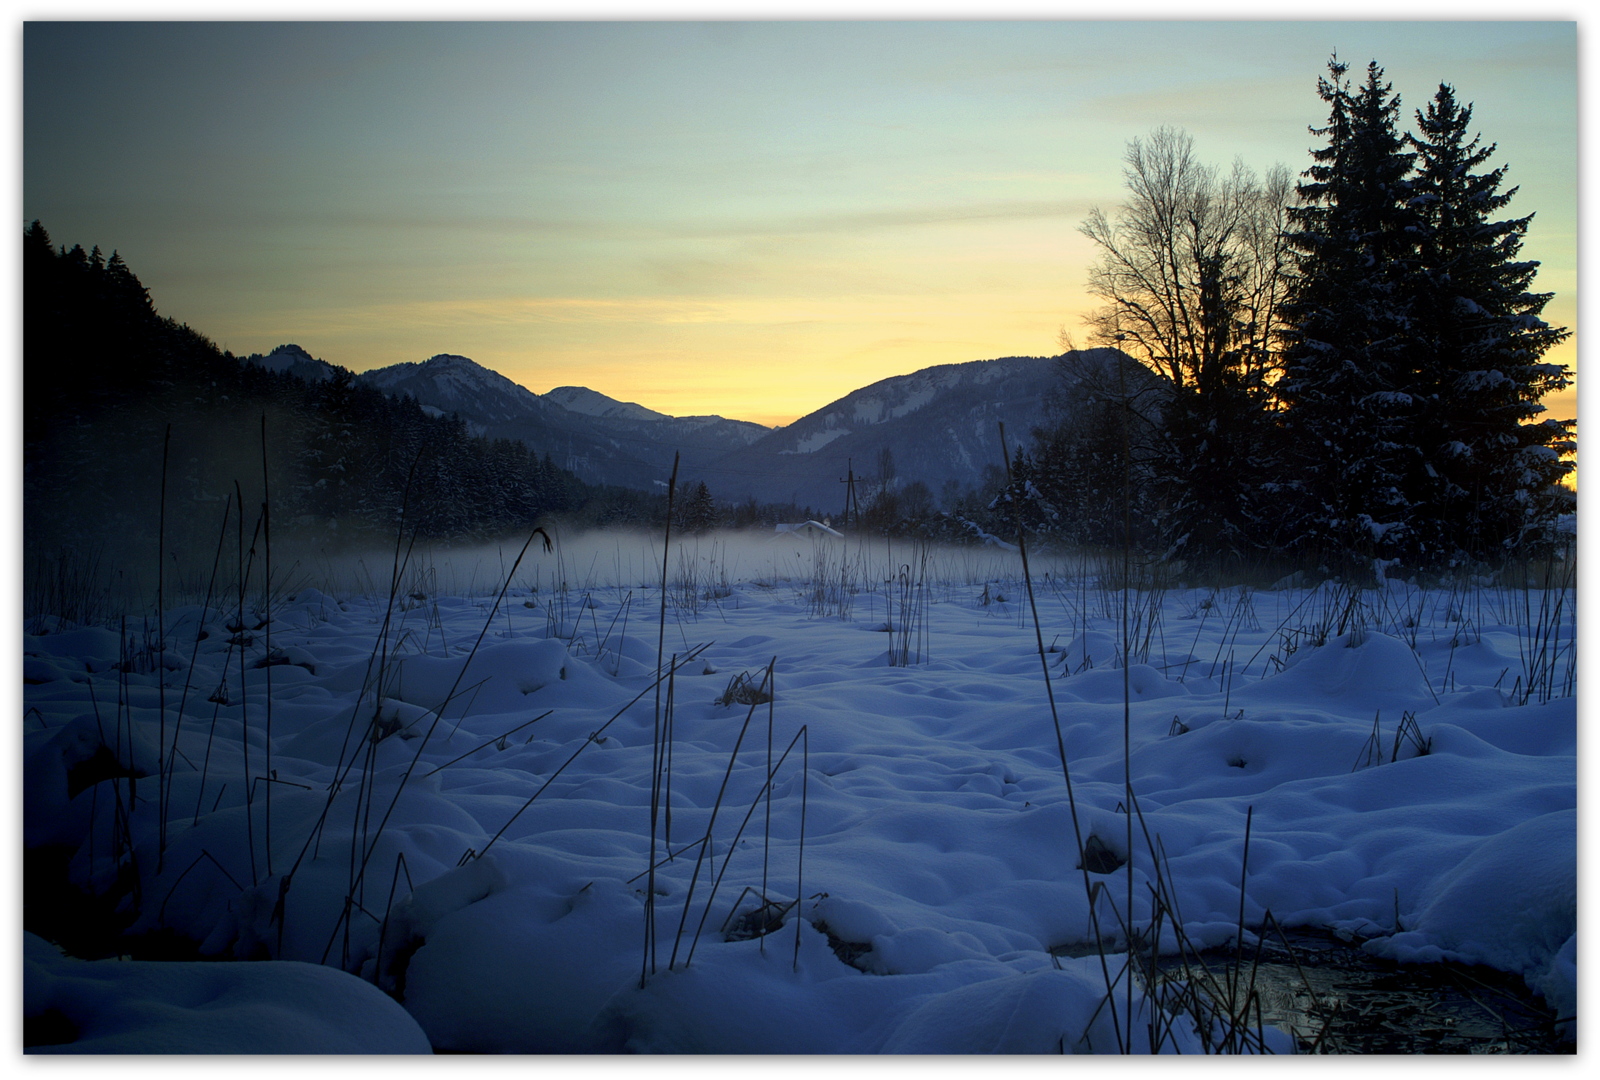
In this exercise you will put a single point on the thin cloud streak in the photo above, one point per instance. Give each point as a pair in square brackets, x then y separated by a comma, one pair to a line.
[845, 223]
[657, 310]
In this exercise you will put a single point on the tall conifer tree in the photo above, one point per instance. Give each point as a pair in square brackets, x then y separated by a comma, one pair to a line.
[1489, 479]
[1348, 372]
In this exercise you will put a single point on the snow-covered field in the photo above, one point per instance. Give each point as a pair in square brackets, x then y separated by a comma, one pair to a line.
[459, 798]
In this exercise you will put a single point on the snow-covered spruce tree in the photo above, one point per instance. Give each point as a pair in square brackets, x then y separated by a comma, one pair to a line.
[1020, 501]
[698, 513]
[1190, 268]
[1489, 480]
[1350, 374]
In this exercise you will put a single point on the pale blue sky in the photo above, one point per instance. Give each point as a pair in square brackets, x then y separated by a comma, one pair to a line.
[749, 219]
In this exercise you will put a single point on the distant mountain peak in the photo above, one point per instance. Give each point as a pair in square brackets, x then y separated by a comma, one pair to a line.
[600, 438]
[940, 422]
[448, 370]
[294, 360]
[447, 383]
[290, 351]
[580, 399]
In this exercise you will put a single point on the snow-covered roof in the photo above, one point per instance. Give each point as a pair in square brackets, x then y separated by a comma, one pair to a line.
[809, 528]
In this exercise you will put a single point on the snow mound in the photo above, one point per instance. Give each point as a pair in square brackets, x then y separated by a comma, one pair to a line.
[1512, 904]
[163, 1007]
[1092, 649]
[1362, 671]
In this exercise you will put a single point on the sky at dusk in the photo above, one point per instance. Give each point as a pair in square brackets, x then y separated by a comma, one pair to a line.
[749, 219]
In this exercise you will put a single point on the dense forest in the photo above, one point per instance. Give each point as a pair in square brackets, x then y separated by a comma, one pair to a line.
[106, 376]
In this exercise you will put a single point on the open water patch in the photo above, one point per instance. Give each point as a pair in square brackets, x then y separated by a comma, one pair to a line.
[1336, 999]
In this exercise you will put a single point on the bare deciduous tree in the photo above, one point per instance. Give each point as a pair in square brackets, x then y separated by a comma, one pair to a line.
[1192, 272]
[1191, 265]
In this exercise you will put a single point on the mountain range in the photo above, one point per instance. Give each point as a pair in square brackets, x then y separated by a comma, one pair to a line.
[939, 424]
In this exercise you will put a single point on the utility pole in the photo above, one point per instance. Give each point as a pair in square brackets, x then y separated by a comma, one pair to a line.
[850, 492]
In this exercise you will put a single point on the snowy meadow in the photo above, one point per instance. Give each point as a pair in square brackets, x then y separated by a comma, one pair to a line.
[811, 796]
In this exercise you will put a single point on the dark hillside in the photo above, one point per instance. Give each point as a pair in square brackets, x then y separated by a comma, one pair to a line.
[105, 375]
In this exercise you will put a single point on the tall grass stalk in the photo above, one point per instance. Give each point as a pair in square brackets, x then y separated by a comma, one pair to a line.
[497, 740]
[711, 824]
[72, 584]
[449, 697]
[588, 741]
[266, 540]
[162, 765]
[763, 795]
[1127, 696]
[800, 858]
[1539, 628]
[913, 627]
[373, 679]
[656, 732]
[766, 828]
[188, 677]
[1061, 744]
[647, 965]
[369, 837]
[240, 632]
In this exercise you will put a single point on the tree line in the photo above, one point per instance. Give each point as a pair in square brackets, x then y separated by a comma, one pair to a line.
[119, 402]
[111, 389]
[1347, 366]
